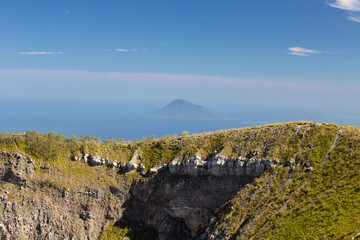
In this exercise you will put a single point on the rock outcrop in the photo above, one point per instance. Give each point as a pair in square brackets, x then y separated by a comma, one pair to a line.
[214, 165]
[14, 169]
[33, 208]
[134, 163]
[220, 166]
[96, 161]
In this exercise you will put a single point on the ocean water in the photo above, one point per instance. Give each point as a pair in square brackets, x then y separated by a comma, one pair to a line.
[128, 120]
[130, 127]
[103, 119]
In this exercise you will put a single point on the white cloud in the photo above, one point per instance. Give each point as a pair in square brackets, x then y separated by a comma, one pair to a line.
[121, 50]
[354, 19]
[68, 76]
[126, 50]
[298, 54]
[349, 5]
[299, 51]
[40, 53]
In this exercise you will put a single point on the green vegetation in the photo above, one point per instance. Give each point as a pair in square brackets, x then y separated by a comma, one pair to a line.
[112, 232]
[288, 141]
[49, 147]
[56, 150]
[289, 203]
[284, 203]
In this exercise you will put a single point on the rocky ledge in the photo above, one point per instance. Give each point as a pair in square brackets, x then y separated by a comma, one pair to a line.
[218, 166]
[212, 165]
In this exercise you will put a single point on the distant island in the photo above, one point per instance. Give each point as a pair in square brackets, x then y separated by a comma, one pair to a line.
[181, 109]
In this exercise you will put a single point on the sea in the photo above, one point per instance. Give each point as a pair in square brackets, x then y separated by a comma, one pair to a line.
[129, 120]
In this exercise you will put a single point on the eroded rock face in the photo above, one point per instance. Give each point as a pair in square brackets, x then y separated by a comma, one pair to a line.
[180, 199]
[56, 217]
[175, 229]
[14, 169]
[176, 202]
[186, 199]
[33, 209]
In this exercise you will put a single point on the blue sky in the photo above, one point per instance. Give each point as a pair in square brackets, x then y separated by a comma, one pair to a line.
[233, 53]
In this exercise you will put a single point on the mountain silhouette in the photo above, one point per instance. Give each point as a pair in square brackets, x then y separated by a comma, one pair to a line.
[181, 109]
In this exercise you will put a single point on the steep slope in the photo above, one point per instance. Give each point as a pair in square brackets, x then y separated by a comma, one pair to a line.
[288, 203]
[181, 109]
[281, 181]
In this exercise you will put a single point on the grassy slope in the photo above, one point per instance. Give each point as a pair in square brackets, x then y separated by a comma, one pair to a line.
[284, 203]
[292, 204]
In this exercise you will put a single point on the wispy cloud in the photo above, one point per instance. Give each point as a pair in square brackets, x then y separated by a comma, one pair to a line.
[155, 78]
[121, 50]
[30, 84]
[304, 52]
[354, 19]
[349, 6]
[126, 50]
[40, 53]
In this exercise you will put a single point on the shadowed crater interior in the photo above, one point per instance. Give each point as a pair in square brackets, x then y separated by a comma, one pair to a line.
[177, 207]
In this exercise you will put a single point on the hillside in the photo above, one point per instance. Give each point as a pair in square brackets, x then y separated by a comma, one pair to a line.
[281, 181]
[181, 109]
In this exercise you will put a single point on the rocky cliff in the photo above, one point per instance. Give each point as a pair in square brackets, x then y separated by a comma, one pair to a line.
[183, 195]
[34, 207]
[282, 181]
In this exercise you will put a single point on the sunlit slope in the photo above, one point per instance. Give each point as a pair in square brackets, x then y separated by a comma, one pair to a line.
[313, 193]
[291, 203]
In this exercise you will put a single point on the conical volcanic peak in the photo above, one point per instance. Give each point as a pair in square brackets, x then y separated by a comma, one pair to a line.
[181, 109]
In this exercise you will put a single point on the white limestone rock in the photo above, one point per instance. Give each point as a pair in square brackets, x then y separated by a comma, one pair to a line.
[95, 161]
[133, 164]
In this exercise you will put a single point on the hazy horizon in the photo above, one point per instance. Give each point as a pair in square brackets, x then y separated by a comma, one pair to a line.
[128, 120]
[65, 64]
